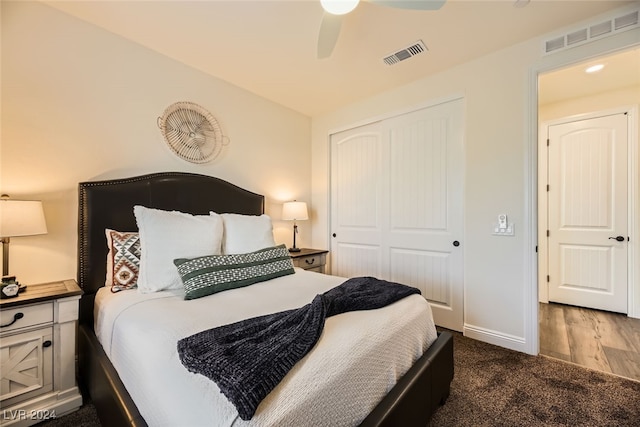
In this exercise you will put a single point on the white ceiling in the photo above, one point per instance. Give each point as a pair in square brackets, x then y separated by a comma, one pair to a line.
[622, 70]
[269, 47]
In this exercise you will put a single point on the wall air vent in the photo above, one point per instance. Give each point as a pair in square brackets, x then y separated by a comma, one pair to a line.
[405, 53]
[626, 21]
[577, 36]
[555, 44]
[600, 29]
[581, 36]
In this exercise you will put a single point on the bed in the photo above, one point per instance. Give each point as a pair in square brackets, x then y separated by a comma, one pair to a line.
[422, 385]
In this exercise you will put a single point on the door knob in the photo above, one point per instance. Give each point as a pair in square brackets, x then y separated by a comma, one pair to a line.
[618, 238]
[456, 243]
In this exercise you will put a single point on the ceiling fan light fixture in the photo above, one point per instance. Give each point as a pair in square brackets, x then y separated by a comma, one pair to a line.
[339, 7]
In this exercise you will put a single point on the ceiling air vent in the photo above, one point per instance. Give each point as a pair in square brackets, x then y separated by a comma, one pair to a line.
[592, 32]
[406, 53]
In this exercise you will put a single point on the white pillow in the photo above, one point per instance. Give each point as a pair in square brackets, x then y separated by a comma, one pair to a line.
[246, 233]
[168, 235]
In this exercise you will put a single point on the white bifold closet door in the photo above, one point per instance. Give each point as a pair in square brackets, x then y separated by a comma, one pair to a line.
[396, 204]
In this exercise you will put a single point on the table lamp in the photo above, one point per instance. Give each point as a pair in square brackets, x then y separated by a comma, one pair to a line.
[294, 211]
[19, 218]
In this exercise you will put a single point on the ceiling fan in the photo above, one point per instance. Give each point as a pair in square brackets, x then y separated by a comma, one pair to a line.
[336, 9]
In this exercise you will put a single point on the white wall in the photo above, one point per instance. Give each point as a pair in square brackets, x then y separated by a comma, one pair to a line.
[622, 97]
[80, 103]
[500, 292]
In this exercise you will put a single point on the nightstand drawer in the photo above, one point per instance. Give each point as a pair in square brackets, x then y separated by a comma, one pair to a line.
[26, 316]
[311, 261]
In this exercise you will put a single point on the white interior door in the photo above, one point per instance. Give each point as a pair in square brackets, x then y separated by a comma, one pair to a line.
[396, 200]
[588, 213]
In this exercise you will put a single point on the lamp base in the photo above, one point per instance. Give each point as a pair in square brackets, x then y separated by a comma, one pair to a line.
[5, 256]
[9, 287]
[294, 249]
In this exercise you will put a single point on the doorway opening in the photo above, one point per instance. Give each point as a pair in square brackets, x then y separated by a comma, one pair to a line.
[580, 330]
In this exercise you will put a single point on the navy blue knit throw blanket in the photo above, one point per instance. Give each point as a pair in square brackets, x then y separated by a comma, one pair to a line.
[248, 359]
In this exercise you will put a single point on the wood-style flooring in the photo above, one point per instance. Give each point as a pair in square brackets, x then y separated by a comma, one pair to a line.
[608, 342]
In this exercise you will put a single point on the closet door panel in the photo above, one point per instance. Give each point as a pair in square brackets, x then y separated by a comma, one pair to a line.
[418, 173]
[356, 207]
[425, 211]
[425, 270]
[396, 204]
[357, 260]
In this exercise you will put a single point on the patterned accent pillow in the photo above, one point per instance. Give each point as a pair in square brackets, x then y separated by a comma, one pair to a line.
[123, 260]
[216, 273]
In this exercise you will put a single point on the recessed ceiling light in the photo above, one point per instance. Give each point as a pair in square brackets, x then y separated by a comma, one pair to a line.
[594, 68]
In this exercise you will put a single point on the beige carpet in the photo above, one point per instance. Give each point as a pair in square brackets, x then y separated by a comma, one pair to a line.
[493, 386]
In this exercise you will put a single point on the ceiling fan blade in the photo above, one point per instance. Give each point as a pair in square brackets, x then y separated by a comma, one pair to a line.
[329, 32]
[411, 4]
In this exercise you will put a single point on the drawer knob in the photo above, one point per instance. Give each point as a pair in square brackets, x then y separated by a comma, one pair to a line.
[16, 317]
[310, 261]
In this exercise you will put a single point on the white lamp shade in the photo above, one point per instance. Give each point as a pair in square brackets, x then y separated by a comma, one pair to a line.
[292, 211]
[21, 218]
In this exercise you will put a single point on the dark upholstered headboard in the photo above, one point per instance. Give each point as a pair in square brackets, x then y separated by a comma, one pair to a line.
[109, 204]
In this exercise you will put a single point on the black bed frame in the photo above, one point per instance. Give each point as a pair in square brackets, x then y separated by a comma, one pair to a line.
[109, 204]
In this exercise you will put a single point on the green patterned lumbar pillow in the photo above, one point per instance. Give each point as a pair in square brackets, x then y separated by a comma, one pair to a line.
[216, 273]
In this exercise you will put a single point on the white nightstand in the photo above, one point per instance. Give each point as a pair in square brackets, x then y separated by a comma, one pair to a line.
[310, 259]
[38, 353]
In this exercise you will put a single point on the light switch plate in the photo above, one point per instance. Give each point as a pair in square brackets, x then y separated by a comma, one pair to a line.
[509, 231]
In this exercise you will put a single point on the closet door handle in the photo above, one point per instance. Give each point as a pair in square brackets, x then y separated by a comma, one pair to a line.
[456, 243]
[618, 238]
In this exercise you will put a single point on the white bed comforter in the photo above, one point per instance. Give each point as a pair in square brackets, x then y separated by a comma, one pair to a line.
[357, 360]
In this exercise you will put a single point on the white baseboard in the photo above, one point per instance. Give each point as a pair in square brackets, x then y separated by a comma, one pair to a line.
[500, 339]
